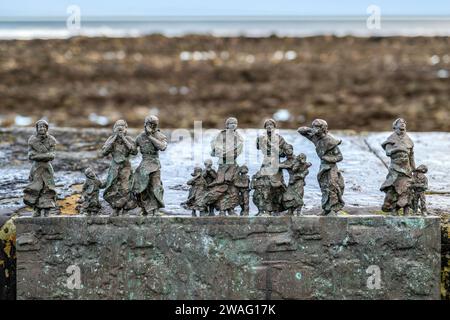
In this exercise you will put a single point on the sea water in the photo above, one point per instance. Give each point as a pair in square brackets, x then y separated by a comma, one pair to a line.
[226, 26]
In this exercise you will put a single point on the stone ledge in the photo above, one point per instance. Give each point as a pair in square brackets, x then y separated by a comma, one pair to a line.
[306, 257]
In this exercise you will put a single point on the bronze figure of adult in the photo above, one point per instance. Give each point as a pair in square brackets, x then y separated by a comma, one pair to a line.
[329, 177]
[272, 146]
[226, 147]
[120, 147]
[147, 184]
[40, 193]
[400, 149]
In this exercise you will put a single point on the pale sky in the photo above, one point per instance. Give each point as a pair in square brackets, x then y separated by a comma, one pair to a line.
[58, 8]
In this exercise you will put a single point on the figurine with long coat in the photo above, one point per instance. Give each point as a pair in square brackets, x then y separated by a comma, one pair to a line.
[397, 186]
[147, 184]
[226, 146]
[329, 177]
[40, 193]
[272, 146]
[117, 189]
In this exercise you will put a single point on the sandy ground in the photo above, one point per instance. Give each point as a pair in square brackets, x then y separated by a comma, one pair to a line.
[354, 83]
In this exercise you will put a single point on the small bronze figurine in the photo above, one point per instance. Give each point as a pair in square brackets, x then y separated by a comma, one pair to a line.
[397, 186]
[196, 192]
[272, 146]
[420, 185]
[261, 193]
[89, 203]
[226, 146]
[210, 175]
[208, 172]
[40, 193]
[147, 184]
[121, 147]
[242, 183]
[297, 168]
[330, 178]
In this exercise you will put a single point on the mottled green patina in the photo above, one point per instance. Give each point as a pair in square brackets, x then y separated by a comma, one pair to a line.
[308, 257]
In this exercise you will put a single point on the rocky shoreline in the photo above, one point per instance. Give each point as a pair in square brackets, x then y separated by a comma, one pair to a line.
[355, 83]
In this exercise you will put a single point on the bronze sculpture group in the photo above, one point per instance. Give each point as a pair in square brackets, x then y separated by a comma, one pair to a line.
[229, 187]
[405, 185]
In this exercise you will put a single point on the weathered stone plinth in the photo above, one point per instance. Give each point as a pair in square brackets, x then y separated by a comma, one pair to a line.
[305, 257]
[445, 254]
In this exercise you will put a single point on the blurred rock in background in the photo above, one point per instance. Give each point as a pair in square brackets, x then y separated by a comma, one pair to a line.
[355, 83]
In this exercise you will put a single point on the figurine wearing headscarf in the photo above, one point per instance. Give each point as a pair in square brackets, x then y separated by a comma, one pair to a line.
[272, 146]
[40, 193]
[121, 147]
[147, 184]
[226, 146]
[330, 178]
[397, 186]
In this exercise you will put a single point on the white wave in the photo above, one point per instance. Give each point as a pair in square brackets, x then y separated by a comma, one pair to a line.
[229, 28]
[42, 33]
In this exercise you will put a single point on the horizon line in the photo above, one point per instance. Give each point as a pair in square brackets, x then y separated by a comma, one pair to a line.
[192, 18]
